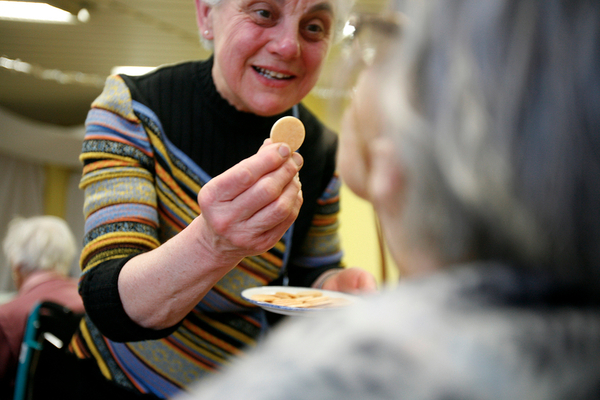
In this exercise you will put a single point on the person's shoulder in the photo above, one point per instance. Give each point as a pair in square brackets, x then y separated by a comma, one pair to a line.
[468, 314]
[14, 313]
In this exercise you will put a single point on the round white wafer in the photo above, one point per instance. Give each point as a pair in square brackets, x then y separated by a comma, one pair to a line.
[288, 130]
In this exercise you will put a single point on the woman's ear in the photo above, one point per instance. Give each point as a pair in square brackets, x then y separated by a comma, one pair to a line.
[203, 19]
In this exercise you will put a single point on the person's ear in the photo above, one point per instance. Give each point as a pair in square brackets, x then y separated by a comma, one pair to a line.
[386, 178]
[203, 19]
[352, 156]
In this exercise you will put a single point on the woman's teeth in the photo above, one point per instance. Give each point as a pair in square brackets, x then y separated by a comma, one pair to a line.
[271, 74]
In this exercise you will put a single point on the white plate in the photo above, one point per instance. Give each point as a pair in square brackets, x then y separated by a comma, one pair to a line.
[248, 293]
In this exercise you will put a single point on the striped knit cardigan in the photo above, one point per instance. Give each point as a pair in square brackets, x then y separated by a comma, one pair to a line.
[140, 190]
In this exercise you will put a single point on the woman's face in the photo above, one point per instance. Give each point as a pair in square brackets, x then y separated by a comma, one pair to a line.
[267, 53]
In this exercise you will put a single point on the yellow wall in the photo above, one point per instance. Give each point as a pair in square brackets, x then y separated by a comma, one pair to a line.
[360, 241]
[55, 190]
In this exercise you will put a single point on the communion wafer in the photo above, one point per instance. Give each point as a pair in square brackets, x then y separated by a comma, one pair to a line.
[288, 130]
[265, 297]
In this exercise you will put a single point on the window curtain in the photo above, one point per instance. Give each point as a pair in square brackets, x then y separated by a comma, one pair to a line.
[21, 194]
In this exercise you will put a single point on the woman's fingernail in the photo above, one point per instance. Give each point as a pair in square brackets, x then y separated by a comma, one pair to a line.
[284, 151]
[298, 159]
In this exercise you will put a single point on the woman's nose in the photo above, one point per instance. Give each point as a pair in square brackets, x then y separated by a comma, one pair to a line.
[286, 42]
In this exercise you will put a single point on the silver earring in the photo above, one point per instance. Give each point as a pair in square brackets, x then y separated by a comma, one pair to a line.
[206, 32]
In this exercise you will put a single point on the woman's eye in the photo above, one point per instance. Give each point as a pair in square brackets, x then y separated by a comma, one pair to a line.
[266, 14]
[315, 31]
[314, 28]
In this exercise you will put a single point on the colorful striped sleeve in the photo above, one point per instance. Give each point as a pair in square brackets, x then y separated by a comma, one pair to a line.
[120, 198]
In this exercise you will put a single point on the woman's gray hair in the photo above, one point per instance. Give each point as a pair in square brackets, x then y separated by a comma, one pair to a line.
[343, 9]
[39, 243]
[494, 106]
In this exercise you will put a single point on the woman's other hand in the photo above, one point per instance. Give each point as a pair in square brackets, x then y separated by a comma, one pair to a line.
[350, 280]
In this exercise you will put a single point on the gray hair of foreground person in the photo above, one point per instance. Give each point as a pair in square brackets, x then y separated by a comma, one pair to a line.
[342, 12]
[497, 127]
[39, 243]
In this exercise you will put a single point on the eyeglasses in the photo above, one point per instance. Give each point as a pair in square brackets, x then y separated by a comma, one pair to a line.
[372, 34]
[367, 39]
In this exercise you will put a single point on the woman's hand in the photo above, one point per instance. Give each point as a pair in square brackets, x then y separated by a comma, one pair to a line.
[244, 212]
[248, 208]
[350, 280]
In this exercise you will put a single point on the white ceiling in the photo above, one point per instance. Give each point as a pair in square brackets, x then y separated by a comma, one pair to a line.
[120, 32]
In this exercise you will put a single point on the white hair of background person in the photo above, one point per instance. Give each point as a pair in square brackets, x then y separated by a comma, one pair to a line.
[342, 13]
[39, 243]
[501, 155]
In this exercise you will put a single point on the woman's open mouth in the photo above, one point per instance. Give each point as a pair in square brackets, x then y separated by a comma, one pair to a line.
[272, 74]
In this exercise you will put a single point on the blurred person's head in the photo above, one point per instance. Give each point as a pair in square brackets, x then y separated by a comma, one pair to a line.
[268, 54]
[477, 136]
[41, 243]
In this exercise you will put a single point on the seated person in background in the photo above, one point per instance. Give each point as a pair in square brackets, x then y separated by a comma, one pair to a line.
[476, 138]
[40, 251]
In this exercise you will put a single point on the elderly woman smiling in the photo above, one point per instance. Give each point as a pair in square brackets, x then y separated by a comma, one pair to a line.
[187, 204]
